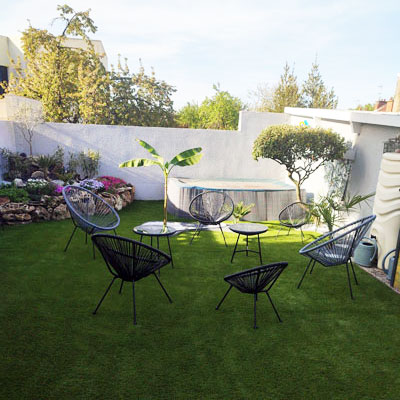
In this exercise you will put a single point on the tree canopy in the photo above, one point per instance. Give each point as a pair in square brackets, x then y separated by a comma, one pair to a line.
[300, 149]
[73, 85]
[218, 112]
[287, 93]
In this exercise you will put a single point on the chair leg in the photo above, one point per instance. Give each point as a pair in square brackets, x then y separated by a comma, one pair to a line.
[288, 231]
[348, 278]
[302, 235]
[273, 306]
[120, 288]
[220, 227]
[226, 294]
[234, 250]
[104, 295]
[85, 237]
[115, 232]
[197, 232]
[94, 252]
[354, 272]
[134, 303]
[304, 274]
[279, 232]
[255, 310]
[312, 268]
[162, 287]
[69, 241]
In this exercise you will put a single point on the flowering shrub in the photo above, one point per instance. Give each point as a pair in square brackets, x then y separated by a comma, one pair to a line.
[58, 190]
[111, 183]
[38, 186]
[92, 184]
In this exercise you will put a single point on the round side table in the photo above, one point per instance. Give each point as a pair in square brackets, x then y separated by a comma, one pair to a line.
[155, 231]
[248, 229]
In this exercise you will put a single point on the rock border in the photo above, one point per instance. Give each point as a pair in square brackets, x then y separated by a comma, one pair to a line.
[53, 208]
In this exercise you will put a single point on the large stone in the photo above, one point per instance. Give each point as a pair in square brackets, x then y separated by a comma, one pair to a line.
[40, 213]
[8, 217]
[60, 212]
[118, 203]
[19, 182]
[37, 175]
[23, 217]
[4, 200]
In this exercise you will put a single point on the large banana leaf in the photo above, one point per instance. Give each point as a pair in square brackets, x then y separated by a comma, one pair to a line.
[187, 157]
[151, 150]
[140, 162]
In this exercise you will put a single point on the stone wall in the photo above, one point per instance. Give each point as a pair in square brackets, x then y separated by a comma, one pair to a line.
[54, 208]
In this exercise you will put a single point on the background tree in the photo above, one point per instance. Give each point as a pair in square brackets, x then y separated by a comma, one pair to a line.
[300, 149]
[74, 86]
[140, 99]
[314, 93]
[219, 112]
[365, 107]
[287, 93]
[261, 98]
[28, 118]
[54, 72]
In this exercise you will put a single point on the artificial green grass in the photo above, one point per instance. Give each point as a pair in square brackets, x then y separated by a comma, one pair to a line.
[328, 346]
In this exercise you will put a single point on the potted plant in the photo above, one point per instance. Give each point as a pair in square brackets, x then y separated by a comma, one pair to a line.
[241, 210]
[187, 157]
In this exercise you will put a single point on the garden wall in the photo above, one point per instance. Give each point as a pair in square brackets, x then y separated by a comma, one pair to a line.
[227, 154]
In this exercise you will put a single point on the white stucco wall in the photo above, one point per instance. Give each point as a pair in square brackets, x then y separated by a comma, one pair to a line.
[227, 154]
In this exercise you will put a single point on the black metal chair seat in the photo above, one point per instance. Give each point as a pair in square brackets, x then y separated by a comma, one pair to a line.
[211, 208]
[129, 261]
[294, 216]
[255, 280]
[89, 212]
[336, 247]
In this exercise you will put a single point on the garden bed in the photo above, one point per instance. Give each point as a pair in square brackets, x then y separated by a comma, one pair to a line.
[54, 207]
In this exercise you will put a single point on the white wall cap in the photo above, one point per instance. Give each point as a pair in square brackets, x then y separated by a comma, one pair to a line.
[363, 117]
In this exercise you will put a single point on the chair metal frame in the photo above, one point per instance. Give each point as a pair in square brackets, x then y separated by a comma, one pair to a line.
[336, 248]
[293, 225]
[253, 281]
[130, 261]
[207, 218]
[83, 223]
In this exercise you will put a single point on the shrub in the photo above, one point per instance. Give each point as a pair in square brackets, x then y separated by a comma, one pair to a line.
[38, 187]
[111, 183]
[300, 149]
[92, 184]
[83, 163]
[16, 195]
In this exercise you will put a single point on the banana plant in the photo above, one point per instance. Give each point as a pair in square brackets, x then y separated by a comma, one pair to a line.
[187, 157]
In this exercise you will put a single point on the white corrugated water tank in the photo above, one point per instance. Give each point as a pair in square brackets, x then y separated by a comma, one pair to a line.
[387, 205]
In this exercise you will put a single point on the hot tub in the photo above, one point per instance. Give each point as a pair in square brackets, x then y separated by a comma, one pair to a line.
[270, 196]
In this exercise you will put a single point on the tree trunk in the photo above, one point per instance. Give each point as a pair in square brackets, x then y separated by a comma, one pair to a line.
[297, 184]
[165, 202]
[298, 192]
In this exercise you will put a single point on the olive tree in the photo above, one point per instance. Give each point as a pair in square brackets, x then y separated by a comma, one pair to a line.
[300, 149]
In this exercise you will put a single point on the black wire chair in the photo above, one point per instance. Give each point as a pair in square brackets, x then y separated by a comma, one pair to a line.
[129, 261]
[337, 247]
[210, 208]
[254, 281]
[294, 216]
[89, 212]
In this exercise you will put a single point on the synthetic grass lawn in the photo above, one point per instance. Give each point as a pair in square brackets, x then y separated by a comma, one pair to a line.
[328, 346]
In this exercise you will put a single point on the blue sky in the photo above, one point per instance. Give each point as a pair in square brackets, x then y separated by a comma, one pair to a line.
[241, 44]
